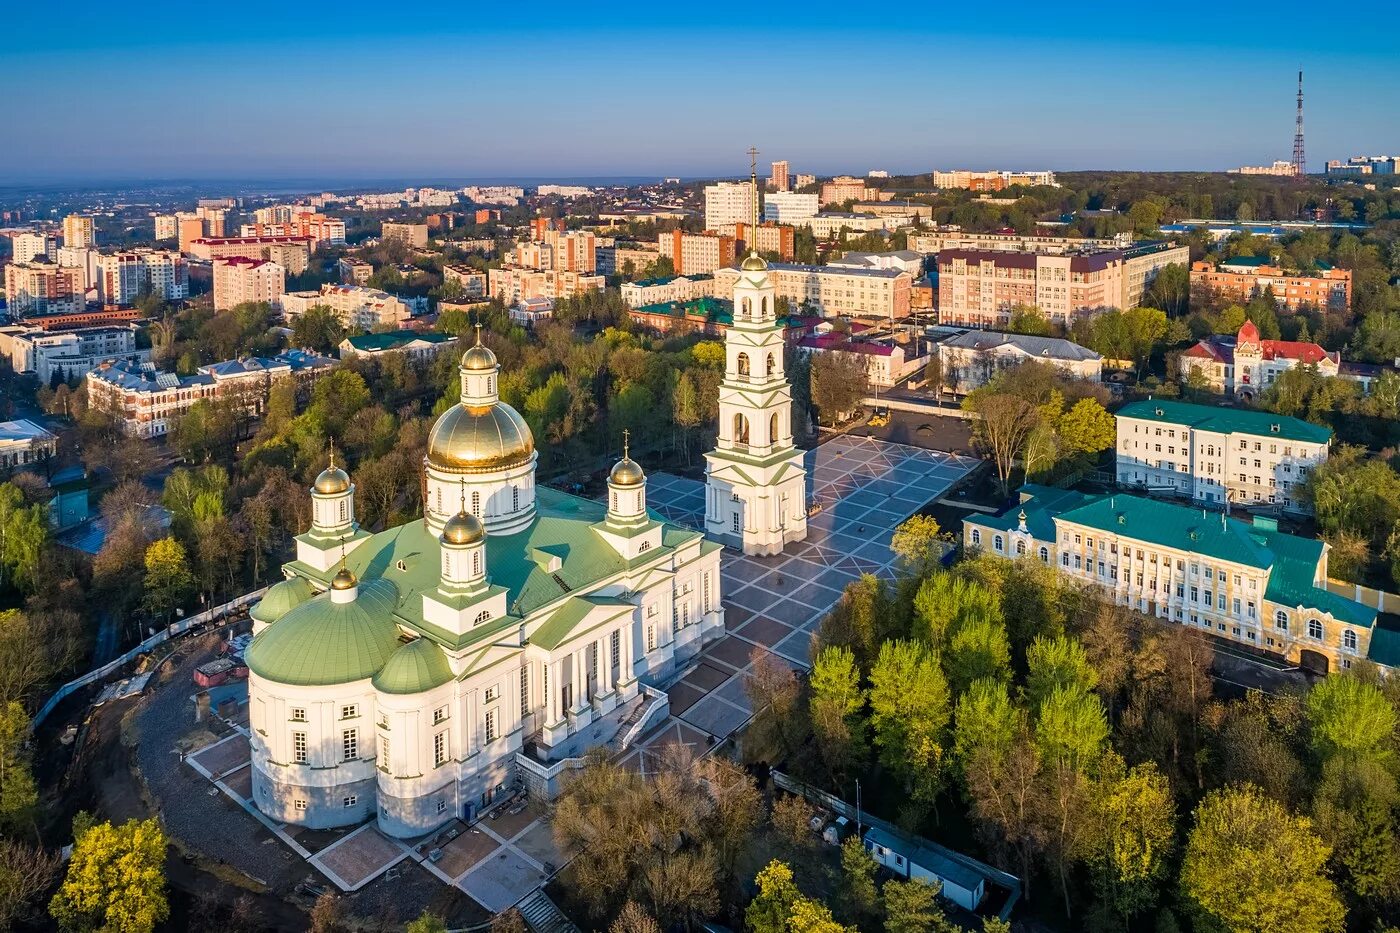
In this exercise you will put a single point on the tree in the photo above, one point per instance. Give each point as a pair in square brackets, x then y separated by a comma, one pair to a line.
[633, 919]
[1134, 834]
[168, 578]
[26, 872]
[773, 693]
[912, 907]
[115, 881]
[318, 329]
[977, 650]
[685, 410]
[1003, 425]
[17, 790]
[1057, 662]
[1086, 428]
[859, 898]
[918, 544]
[985, 722]
[1350, 717]
[946, 602]
[839, 382]
[836, 704]
[1252, 867]
[432, 923]
[327, 915]
[909, 712]
[771, 907]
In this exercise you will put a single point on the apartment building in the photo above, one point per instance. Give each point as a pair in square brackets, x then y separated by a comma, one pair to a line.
[1243, 277]
[1218, 455]
[767, 238]
[1280, 167]
[68, 354]
[147, 402]
[729, 202]
[845, 188]
[189, 229]
[559, 251]
[804, 181]
[27, 247]
[990, 181]
[675, 288]
[632, 259]
[832, 292]
[292, 253]
[352, 271]
[407, 234]
[904, 260]
[41, 286]
[78, 231]
[323, 230]
[696, 253]
[167, 227]
[829, 224]
[123, 276]
[83, 258]
[979, 288]
[787, 207]
[1246, 582]
[970, 360]
[884, 362]
[512, 284]
[894, 208]
[238, 280]
[780, 179]
[955, 238]
[354, 306]
[473, 281]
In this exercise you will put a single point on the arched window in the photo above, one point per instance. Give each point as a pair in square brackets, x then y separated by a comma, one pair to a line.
[746, 309]
[1045, 555]
[769, 372]
[976, 536]
[439, 498]
[482, 616]
[476, 504]
[1315, 630]
[765, 305]
[646, 546]
[1020, 548]
[1281, 621]
[997, 543]
[1349, 640]
[773, 429]
[490, 384]
[741, 430]
[743, 363]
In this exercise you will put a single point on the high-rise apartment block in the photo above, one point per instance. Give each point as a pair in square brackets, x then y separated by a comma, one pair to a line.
[558, 251]
[78, 231]
[238, 280]
[512, 284]
[980, 288]
[167, 227]
[830, 292]
[290, 252]
[990, 181]
[729, 203]
[844, 188]
[123, 276]
[407, 234]
[786, 207]
[805, 181]
[767, 238]
[955, 238]
[86, 259]
[696, 253]
[43, 287]
[353, 305]
[30, 246]
[780, 179]
[189, 229]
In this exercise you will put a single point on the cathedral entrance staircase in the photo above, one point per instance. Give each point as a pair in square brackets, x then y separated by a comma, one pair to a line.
[542, 915]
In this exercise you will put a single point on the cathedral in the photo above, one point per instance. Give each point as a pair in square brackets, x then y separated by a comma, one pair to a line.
[412, 675]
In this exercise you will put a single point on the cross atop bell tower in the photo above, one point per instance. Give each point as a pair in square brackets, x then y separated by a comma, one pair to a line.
[753, 187]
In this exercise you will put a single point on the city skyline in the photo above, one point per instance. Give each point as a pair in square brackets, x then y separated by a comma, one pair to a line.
[622, 94]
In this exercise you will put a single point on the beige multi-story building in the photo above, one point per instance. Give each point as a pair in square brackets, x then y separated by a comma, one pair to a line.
[68, 354]
[121, 277]
[292, 253]
[630, 259]
[28, 247]
[321, 229]
[512, 284]
[353, 271]
[43, 287]
[1218, 456]
[407, 234]
[1286, 169]
[953, 238]
[788, 207]
[676, 288]
[845, 188]
[1245, 277]
[238, 281]
[991, 181]
[830, 223]
[554, 249]
[970, 360]
[696, 253]
[473, 281]
[832, 292]
[981, 288]
[78, 231]
[167, 227]
[86, 258]
[767, 238]
[780, 180]
[804, 181]
[215, 219]
[354, 306]
[1245, 582]
[729, 202]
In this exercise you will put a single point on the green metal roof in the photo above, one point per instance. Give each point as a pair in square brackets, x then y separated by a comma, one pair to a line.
[322, 642]
[280, 599]
[1385, 646]
[566, 618]
[418, 666]
[1227, 420]
[1168, 524]
[390, 340]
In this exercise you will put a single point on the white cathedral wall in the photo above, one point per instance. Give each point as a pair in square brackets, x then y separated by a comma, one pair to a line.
[507, 497]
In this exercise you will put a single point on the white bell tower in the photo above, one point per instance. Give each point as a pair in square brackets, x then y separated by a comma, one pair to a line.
[756, 483]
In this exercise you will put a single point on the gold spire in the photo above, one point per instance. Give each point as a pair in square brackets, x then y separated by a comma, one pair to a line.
[626, 442]
[626, 472]
[753, 262]
[333, 480]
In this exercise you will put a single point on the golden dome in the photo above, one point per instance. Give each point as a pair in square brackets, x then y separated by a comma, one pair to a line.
[478, 358]
[472, 439]
[343, 580]
[332, 480]
[463, 528]
[753, 263]
[626, 472]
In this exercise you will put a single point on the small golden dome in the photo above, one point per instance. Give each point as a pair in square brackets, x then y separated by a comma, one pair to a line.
[469, 439]
[343, 580]
[754, 263]
[333, 480]
[463, 528]
[626, 472]
[478, 358]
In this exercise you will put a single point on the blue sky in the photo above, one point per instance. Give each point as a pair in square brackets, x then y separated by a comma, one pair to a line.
[174, 90]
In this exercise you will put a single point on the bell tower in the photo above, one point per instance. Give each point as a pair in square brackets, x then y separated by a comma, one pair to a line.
[756, 485]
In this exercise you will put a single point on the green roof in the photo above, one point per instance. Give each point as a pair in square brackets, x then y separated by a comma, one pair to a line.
[566, 618]
[392, 340]
[322, 642]
[1168, 524]
[1385, 646]
[418, 666]
[717, 310]
[280, 599]
[1227, 420]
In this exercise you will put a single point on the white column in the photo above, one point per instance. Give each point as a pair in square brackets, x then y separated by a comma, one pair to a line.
[627, 659]
[605, 678]
[580, 682]
[556, 691]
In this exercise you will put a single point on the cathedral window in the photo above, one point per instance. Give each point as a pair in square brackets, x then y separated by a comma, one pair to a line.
[299, 747]
[770, 365]
[483, 616]
[773, 429]
[515, 498]
[734, 521]
[476, 504]
[524, 691]
[743, 364]
[741, 430]
[492, 716]
[476, 563]
[383, 753]
[344, 511]
[350, 744]
[440, 749]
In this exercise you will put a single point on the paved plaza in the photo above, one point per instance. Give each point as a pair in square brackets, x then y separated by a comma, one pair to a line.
[861, 488]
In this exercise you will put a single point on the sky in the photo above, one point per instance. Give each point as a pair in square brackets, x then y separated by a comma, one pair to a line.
[360, 91]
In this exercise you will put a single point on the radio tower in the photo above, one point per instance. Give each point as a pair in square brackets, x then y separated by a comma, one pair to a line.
[1300, 163]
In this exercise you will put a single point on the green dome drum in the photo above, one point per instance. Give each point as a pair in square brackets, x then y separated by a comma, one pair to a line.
[322, 642]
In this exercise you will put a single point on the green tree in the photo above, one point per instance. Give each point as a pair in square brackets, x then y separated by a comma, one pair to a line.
[910, 709]
[771, 907]
[918, 543]
[1070, 726]
[859, 898]
[426, 923]
[1027, 319]
[1134, 834]
[1057, 662]
[836, 709]
[985, 721]
[839, 382]
[115, 881]
[17, 790]
[1251, 867]
[1350, 717]
[912, 907]
[1086, 428]
[168, 578]
[978, 649]
[947, 602]
[318, 329]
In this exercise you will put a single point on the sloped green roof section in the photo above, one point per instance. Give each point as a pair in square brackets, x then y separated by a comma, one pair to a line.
[322, 642]
[1227, 420]
[417, 667]
[1178, 526]
[280, 599]
[564, 623]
